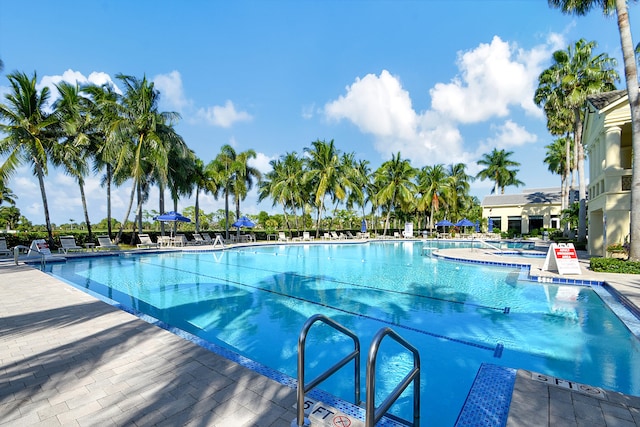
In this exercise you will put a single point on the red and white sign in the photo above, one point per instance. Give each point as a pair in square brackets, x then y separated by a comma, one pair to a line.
[563, 258]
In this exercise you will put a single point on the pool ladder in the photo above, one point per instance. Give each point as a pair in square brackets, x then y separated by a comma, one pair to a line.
[373, 414]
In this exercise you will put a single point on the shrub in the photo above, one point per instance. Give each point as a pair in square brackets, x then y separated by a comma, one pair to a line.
[613, 265]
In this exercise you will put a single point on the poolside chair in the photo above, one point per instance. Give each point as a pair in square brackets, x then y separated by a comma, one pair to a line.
[4, 250]
[198, 239]
[334, 236]
[207, 238]
[306, 236]
[104, 242]
[68, 243]
[164, 241]
[282, 237]
[146, 242]
[350, 235]
[180, 240]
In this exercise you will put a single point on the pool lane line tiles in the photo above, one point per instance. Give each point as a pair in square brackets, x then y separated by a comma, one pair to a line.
[497, 349]
[488, 401]
[284, 379]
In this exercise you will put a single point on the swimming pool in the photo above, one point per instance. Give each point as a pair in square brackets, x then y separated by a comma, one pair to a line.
[255, 300]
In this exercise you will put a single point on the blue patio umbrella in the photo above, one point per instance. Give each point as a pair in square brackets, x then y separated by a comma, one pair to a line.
[490, 225]
[363, 226]
[464, 223]
[444, 223]
[243, 222]
[171, 216]
[477, 226]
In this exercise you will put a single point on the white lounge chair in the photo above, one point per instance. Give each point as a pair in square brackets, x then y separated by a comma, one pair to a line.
[180, 240]
[306, 236]
[207, 238]
[146, 242]
[282, 237]
[334, 236]
[104, 242]
[67, 244]
[198, 239]
[4, 250]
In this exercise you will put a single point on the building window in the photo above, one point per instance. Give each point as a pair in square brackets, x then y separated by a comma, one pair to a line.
[626, 183]
[536, 222]
[515, 224]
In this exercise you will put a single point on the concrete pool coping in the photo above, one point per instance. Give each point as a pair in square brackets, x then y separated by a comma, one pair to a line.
[69, 359]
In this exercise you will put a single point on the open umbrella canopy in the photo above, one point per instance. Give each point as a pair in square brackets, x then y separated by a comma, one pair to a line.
[464, 222]
[490, 225]
[363, 226]
[477, 226]
[171, 216]
[444, 223]
[243, 222]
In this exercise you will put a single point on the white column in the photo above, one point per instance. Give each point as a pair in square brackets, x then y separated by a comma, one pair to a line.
[612, 159]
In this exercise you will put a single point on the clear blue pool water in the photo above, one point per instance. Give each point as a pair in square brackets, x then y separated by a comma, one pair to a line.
[254, 301]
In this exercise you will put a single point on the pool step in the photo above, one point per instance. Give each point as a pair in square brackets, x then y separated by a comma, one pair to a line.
[322, 415]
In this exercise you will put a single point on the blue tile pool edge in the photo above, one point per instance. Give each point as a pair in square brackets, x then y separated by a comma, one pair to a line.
[488, 401]
[284, 379]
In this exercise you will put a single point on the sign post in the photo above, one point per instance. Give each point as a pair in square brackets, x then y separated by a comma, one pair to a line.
[563, 258]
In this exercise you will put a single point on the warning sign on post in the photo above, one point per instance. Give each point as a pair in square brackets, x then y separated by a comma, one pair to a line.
[563, 258]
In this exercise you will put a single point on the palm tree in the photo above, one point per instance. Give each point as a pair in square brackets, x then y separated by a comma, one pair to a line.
[582, 7]
[104, 146]
[556, 159]
[325, 175]
[574, 75]
[396, 186]
[30, 133]
[223, 169]
[6, 195]
[146, 134]
[284, 184]
[497, 170]
[459, 182]
[433, 184]
[203, 182]
[244, 177]
[73, 152]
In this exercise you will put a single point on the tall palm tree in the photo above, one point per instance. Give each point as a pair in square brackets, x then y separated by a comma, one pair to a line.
[582, 7]
[147, 135]
[575, 74]
[223, 169]
[556, 160]
[497, 169]
[30, 133]
[244, 177]
[434, 186]
[460, 183]
[6, 195]
[73, 151]
[396, 185]
[283, 183]
[203, 183]
[104, 146]
[325, 175]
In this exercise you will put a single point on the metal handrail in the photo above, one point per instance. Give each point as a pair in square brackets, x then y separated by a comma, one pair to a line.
[16, 254]
[373, 415]
[354, 355]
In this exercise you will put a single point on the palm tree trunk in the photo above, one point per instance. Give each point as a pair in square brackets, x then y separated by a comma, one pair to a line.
[108, 183]
[631, 75]
[126, 217]
[582, 213]
[197, 209]
[226, 213]
[45, 204]
[84, 208]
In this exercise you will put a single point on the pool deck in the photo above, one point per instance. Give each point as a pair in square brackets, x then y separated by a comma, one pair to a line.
[69, 359]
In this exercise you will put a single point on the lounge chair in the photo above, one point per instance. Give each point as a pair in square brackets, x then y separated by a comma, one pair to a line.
[334, 236]
[207, 238]
[350, 235]
[282, 237]
[306, 236]
[68, 243]
[198, 239]
[4, 250]
[180, 240]
[104, 242]
[146, 242]
[326, 236]
[164, 241]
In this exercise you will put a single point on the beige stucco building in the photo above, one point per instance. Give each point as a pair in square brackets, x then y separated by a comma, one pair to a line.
[607, 138]
[523, 212]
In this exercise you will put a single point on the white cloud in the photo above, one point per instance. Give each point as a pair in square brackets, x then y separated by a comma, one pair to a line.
[223, 116]
[172, 97]
[493, 78]
[71, 76]
[377, 105]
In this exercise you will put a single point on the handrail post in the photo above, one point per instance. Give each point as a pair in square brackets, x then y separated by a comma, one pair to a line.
[354, 355]
[373, 415]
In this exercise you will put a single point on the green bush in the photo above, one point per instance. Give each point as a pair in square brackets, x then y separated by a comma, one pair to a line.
[613, 265]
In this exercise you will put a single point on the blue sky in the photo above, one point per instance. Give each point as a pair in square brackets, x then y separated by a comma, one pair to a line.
[440, 81]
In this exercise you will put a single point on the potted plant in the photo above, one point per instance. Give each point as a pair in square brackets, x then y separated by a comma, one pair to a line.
[617, 250]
